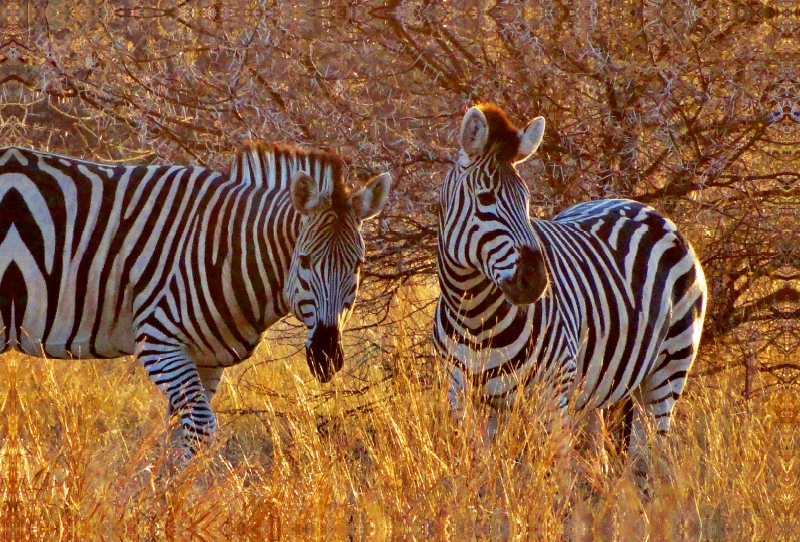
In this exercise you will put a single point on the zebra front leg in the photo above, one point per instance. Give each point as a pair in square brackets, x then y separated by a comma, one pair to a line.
[210, 377]
[178, 378]
[555, 387]
[457, 396]
[596, 438]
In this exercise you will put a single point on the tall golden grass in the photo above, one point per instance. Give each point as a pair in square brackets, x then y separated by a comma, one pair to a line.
[86, 455]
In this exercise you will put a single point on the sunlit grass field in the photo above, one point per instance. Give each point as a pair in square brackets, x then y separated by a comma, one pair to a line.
[86, 455]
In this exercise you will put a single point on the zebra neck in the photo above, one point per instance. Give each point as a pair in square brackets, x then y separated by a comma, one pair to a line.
[472, 301]
[253, 251]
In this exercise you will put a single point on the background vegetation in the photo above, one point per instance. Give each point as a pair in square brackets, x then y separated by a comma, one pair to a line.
[691, 107]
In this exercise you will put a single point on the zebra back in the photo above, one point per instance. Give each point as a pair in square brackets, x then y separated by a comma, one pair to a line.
[633, 292]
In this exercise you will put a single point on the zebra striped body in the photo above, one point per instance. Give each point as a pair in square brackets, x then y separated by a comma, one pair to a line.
[606, 300]
[91, 253]
[625, 296]
[181, 266]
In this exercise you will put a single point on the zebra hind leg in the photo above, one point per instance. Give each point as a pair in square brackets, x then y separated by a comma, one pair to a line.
[654, 403]
[634, 431]
[661, 389]
[619, 421]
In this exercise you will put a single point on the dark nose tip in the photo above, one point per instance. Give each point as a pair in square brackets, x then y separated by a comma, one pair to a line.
[530, 278]
[324, 354]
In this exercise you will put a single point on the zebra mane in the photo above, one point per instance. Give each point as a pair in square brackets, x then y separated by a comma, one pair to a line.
[272, 165]
[503, 138]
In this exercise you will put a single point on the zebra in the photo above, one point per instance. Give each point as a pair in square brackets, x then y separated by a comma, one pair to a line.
[183, 267]
[601, 304]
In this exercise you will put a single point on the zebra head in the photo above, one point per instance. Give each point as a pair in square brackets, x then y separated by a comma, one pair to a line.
[484, 224]
[325, 269]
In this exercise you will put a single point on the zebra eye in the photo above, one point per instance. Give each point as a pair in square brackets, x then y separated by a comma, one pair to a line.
[304, 261]
[486, 198]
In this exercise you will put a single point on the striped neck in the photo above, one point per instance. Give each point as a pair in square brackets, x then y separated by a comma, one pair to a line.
[272, 165]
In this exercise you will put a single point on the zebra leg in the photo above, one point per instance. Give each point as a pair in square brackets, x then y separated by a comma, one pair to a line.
[665, 382]
[178, 378]
[210, 377]
[638, 450]
[455, 395]
[492, 424]
[596, 438]
[657, 398]
[560, 423]
[662, 388]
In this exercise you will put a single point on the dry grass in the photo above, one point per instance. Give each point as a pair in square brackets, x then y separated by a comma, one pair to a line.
[86, 456]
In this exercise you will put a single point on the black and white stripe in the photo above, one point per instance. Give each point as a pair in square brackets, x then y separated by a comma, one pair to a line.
[181, 266]
[606, 300]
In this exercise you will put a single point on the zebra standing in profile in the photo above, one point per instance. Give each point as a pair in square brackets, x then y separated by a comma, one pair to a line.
[181, 266]
[606, 300]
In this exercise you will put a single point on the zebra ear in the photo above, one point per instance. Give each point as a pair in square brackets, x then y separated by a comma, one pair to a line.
[304, 192]
[529, 139]
[474, 132]
[370, 200]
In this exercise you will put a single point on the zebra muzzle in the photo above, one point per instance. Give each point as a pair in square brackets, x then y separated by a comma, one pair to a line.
[324, 352]
[529, 281]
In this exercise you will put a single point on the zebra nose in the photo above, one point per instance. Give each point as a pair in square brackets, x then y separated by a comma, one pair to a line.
[324, 352]
[529, 281]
